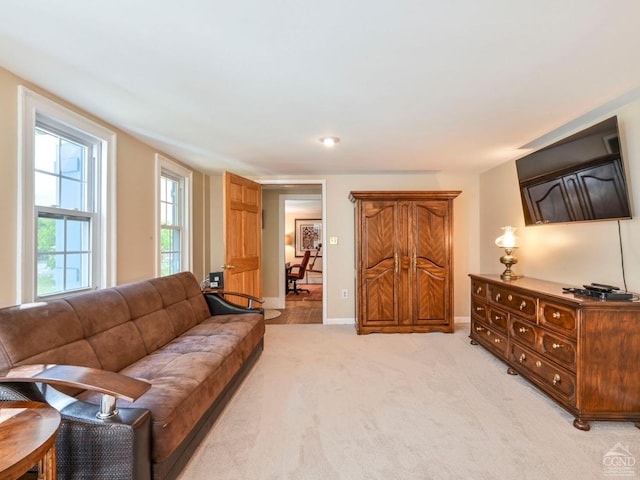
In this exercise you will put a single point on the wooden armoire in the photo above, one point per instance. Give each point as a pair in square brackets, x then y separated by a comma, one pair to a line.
[404, 265]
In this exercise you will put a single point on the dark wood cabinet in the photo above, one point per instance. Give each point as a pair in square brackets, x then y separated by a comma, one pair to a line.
[583, 353]
[594, 191]
[404, 280]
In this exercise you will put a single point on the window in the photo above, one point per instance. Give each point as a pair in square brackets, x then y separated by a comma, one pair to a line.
[65, 163]
[174, 217]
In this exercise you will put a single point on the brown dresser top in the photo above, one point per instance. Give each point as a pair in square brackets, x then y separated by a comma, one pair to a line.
[550, 289]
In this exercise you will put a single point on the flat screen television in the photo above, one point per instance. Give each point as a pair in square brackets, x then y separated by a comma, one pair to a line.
[578, 179]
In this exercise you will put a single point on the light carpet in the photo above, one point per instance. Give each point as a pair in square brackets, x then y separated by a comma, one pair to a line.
[323, 403]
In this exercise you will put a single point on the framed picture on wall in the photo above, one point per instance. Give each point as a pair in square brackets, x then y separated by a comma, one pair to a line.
[308, 236]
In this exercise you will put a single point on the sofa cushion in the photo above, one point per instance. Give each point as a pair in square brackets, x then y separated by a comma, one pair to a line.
[107, 325]
[189, 372]
[182, 299]
[43, 333]
[156, 330]
[99, 310]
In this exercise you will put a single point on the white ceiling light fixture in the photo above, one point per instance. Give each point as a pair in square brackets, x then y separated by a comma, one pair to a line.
[329, 141]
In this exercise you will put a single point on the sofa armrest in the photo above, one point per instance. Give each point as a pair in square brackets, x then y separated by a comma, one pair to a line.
[89, 447]
[112, 385]
[219, 304]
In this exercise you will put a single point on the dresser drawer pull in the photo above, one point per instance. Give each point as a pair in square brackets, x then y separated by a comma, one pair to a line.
[497, 317]
[522, 358]
[523, 329]
[538, 364]
[556, 315]
[557, 345]
[523, 304]
[556, 379]
[479, 309]
[479, 329]
[478, 290]
[510, 297]
[497, 340]
[498, 297]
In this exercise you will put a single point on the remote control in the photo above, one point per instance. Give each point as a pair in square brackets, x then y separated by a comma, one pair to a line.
[602, 285]
[593, 288]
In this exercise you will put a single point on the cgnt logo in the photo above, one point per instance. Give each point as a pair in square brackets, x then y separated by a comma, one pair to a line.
[619, 462]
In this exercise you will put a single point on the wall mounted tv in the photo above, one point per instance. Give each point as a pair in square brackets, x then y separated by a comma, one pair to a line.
[580, 178]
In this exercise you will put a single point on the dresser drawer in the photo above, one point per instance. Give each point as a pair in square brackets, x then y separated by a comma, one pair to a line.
[478, 288]
[524, 332]
[552, 346]
[478, 309]
[558, 349]
[523, 304]
[499, 320]
[489, 338]
[551, 376]
[559, 318]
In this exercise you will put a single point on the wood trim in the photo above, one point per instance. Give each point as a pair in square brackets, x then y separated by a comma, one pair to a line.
[404, 195]
[102, 381]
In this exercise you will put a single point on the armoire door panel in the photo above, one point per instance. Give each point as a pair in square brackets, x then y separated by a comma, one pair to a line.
[378, 229]
[431, 299]
[378, 299]
[430, 229]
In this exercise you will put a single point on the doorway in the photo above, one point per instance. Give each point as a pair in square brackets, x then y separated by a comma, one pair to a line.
[289, 206]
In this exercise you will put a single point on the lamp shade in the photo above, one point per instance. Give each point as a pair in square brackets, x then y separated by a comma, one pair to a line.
[508, 239]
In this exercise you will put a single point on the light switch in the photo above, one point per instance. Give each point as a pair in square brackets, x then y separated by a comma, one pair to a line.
[333, 240]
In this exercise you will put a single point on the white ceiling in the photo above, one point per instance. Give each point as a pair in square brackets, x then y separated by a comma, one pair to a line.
[408, 85]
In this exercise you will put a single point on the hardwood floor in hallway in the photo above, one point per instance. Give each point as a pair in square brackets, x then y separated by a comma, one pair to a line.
[309, 311]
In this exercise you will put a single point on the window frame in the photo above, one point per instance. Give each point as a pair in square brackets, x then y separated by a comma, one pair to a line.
[170, 169]
[33, 110]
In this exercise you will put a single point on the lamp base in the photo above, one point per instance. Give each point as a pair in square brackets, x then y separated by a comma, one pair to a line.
[508, 260]
[509, 275]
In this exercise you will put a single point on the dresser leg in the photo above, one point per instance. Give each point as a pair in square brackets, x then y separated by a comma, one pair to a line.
[473, 342]
[582, 425]
[637, 424]
[511, 371]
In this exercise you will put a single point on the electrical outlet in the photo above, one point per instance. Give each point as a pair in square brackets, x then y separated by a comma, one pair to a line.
[345, 294]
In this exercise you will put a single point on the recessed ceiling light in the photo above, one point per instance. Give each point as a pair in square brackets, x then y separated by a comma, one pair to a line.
[329, 141]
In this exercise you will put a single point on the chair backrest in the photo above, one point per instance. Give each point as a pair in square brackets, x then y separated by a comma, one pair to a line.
[302, 266]
[315, 257]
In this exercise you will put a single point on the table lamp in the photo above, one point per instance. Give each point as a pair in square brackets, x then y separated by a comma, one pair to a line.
[509, 242]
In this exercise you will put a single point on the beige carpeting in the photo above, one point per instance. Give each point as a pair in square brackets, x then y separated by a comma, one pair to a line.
[323, 403]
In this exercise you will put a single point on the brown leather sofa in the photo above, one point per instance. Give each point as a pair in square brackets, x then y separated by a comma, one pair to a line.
[193, 349]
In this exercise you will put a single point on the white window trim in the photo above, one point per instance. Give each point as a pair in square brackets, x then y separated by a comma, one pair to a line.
[30, 105]
[163, 164]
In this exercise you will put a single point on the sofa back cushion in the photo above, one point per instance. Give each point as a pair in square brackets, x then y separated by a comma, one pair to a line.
[105, 317]
[109, 329]
[46, 332]
[182, 299]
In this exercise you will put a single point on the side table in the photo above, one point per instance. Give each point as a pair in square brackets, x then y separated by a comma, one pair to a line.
[28, 431]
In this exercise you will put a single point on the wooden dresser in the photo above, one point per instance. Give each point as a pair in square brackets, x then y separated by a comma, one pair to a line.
[404, 266]
[583, 353]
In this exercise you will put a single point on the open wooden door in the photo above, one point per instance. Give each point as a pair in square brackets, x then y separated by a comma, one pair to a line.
[243, 235]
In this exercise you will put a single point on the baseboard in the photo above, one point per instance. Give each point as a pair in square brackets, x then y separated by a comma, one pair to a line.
[340, 321]
[352, 321]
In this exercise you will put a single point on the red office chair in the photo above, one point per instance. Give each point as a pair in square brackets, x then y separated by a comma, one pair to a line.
[293, 277]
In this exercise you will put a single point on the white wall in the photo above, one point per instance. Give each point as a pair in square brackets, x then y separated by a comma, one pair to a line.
[572, 253]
